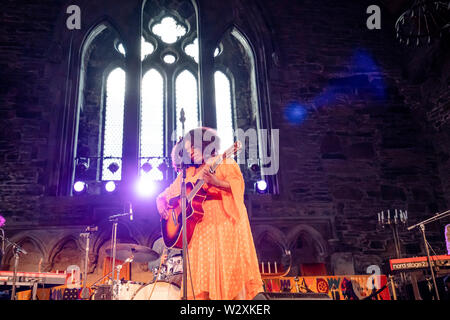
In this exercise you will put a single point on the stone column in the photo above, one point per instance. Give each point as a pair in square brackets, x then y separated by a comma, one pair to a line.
[212, 19]
[133, 69]
[206, 90]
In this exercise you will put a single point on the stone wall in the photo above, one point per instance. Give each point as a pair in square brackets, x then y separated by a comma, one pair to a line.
[28, 61]
[353, 138]
[352, 141]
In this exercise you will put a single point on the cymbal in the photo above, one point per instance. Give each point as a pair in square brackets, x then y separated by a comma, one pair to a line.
[140, 253]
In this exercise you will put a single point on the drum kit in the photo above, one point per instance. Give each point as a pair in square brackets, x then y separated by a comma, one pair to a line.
[165, 284]
[166, 281]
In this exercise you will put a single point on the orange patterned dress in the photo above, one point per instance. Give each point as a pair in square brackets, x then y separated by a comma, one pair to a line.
[222, 256]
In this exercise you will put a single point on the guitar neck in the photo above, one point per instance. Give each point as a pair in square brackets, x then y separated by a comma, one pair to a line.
[200, 182]
[228, 153]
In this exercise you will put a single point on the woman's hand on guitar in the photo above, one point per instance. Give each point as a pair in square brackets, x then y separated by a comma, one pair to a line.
[212, 180]
[209, 178]
[161, 205]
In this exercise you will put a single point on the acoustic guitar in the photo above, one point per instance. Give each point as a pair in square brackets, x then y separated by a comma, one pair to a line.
[172, 228]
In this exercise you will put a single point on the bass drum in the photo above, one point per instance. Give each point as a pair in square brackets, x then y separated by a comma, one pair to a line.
[162, 290]
[127, 289]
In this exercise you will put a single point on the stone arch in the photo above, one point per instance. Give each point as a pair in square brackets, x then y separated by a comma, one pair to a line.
[319, 249]
[271, 246]
[69, 52]
[29, 261]
[60, 248]
[90, 108]
[278, 236]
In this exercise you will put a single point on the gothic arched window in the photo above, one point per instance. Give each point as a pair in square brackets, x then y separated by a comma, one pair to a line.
[170, 64]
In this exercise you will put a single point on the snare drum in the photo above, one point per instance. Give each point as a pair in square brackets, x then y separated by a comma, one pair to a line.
[162, 290]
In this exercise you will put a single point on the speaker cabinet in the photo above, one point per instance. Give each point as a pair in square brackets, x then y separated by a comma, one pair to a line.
[291, 296]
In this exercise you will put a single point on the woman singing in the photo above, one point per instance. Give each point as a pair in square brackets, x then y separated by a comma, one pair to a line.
[222, 256]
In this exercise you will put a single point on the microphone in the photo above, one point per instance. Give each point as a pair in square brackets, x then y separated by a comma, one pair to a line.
[130, 210]
[21, 250]
[91, 229]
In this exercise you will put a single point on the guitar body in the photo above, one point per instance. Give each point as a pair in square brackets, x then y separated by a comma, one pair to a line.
[172, 228]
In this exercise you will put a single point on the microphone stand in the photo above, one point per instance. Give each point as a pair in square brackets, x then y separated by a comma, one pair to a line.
[183, 213]
[17, 250]
[399, 218]
[421, 226]
[85, 291]
[115, 220]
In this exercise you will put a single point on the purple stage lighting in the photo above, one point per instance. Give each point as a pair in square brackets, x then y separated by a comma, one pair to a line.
[145, 187]
[110, 186]
[79, 186]
[261, 186]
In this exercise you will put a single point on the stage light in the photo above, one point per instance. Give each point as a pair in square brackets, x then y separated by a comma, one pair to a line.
[110, 186]
[79, 186]
[261, 186]
[82, 166]
[254, 165]
[295, 113]
[145, 187]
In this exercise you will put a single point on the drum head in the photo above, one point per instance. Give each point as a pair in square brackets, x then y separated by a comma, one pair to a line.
[159, 290]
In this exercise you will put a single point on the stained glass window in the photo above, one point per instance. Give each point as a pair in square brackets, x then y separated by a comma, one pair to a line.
[146, 48]
[169, 58]
[223, 110]
[192, 50]
[186, 98]
[113, 130]
[152, 123]
[169, 30]
[152, 116]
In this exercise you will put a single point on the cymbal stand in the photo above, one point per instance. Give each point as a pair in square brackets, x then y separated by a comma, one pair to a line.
[421, 226]
[113, 263]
